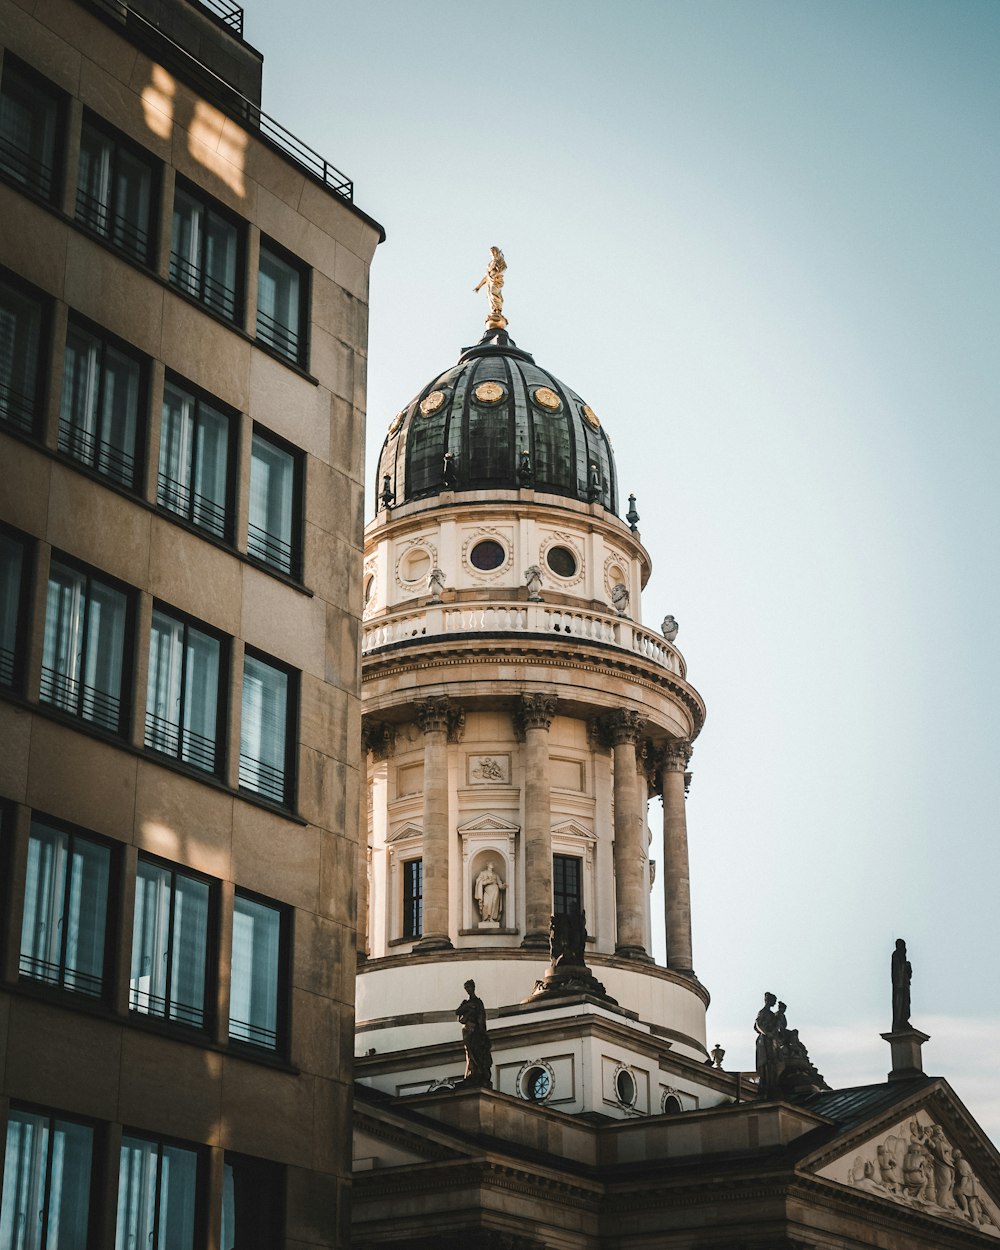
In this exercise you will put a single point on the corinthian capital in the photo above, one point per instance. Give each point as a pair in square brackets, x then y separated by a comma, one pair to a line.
[533, 711]
[676, 756]
[622, 725]
[379, 737]
[440, 713]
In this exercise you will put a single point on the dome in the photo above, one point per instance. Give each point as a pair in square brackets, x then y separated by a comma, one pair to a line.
[496, 421]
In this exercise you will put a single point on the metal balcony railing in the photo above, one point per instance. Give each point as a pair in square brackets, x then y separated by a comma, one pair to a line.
[76, 697]
[24, 167]
[255, 1034]
[55, 974]
[169, 738]
[262, 778]
[200, 285]
[111, 461]
[199, 509]
[270, 549]
[126, 235]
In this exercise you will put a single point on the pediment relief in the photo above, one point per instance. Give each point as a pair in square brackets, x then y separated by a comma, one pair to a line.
[405, 832]
[916, 1163]
[573, 829]
[489, 823]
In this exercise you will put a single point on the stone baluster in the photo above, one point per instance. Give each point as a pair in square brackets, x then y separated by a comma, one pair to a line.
[438, 718]
[676, 880]
[623, 728]
[532, 719]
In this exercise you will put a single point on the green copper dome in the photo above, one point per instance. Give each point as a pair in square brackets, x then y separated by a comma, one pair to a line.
[496, 421]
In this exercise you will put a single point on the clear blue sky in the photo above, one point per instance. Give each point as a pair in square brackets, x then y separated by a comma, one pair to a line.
[761, 240]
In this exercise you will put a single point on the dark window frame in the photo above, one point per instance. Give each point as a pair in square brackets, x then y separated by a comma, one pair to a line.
[290, 786]
[188, 513]
[128, 651]
[565, 891]
[97, 1131]
[200, 1178]
[136, 484]
[144, 254]
[218, 768]
[112, 914]
[22, 612]
[164, 1020]
[47, 182]
[283, 996]
[296, 545]
[28, 420]
[182, 273]
[413, 896]
[297, 350]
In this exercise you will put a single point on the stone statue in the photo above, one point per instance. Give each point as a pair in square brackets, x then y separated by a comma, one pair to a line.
[620, 598]
[669, 628]
[448, 470]
[766, 1027]
[489, 893]
[533, 580]
[901, 975]
[436, 584]
[476, 1040]
[493, 280]
[783, 1064]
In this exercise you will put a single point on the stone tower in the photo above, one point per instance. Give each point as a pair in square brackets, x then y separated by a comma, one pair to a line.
[518, 716]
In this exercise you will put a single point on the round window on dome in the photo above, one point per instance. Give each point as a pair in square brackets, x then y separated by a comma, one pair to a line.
[561, 561]
[625, 1087]
[671, 1104]
[536, 1084]
[415, 565]
[487, 555]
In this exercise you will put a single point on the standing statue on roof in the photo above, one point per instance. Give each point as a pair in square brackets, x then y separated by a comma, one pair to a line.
[494, 278]
[901, 975]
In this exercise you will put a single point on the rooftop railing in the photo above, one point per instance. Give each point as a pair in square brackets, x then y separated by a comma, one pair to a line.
[227, 12]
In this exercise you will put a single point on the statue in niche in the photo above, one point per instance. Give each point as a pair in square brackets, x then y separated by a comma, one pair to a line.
[902, 973]
[620, 597]
[489, 893]
[476, 1040]
[533, 580]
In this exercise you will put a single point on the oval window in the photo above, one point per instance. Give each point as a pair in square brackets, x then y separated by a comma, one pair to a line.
[536, 1084]
[561, 561]
[625, 1088]
[369, 587]
[487, 555]
[671, 1104]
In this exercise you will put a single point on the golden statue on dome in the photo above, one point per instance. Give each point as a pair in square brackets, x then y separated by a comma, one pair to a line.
[494, 277]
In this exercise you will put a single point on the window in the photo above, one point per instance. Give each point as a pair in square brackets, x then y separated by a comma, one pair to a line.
[194, 460]
[102, 386]
[114, 191]
[265, 730]
[157, 1192]
[413, 898]
[20, 337]
[252, 1216]
[566, 897]
[11, 581]
[272, 530]
[281, 290]
[487, 555]
[205, 254]
[184, 692]
[256, 972]
[561, 561]
[169, 945]
[29, 125]
[46, 1183]
[83, 659]
[63, 933]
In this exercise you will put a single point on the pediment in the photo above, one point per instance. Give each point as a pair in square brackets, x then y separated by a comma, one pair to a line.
[405, 832]
[573, 829]
[490, 823]
[930, 1157]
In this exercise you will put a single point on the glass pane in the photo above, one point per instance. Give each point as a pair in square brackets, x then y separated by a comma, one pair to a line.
[263, 728]
[272, 481]
[27, 133]
[105, 643]
[150, 940]
[131, 198]
[201, 697]
[178, 1181]
[278, 303]
[176, 447]
[186, 243]
[190, 944]
[81, 385]
[220, 265]
[11, 560]
[44, 895]
[62, 651]
[24, 1181]
[69, 1186]
[253, 1008]
[119, 413]
[86, 916]
[93, 188]
[137, 1183]
[20, 323]
[212, 461]
[163, 689]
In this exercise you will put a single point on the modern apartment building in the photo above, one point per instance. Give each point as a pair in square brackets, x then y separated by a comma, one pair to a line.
[183, 323]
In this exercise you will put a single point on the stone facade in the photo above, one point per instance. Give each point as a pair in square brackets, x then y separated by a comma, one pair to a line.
[184, 324]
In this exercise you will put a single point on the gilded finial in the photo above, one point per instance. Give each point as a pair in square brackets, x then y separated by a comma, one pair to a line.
[493, 280]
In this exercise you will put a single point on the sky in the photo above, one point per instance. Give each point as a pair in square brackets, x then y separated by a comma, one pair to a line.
[760, 239]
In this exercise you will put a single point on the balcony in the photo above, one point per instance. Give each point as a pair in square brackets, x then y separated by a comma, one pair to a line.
[523, 620]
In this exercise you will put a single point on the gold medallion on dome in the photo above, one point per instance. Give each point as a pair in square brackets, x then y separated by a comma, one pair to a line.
[432, 403]
[489, 392]
[395, 423]
[590, 416]
[546, 398]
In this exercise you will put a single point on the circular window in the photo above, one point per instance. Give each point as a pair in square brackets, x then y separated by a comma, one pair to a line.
[561, 561]
[487, 555]
[536, 1084]
[625, 1087]
[415, 565]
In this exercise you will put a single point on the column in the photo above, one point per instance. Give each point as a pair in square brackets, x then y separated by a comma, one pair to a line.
[532, 720]
[623, 728]
[435, 717]
[676, 883]
[378, 741]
